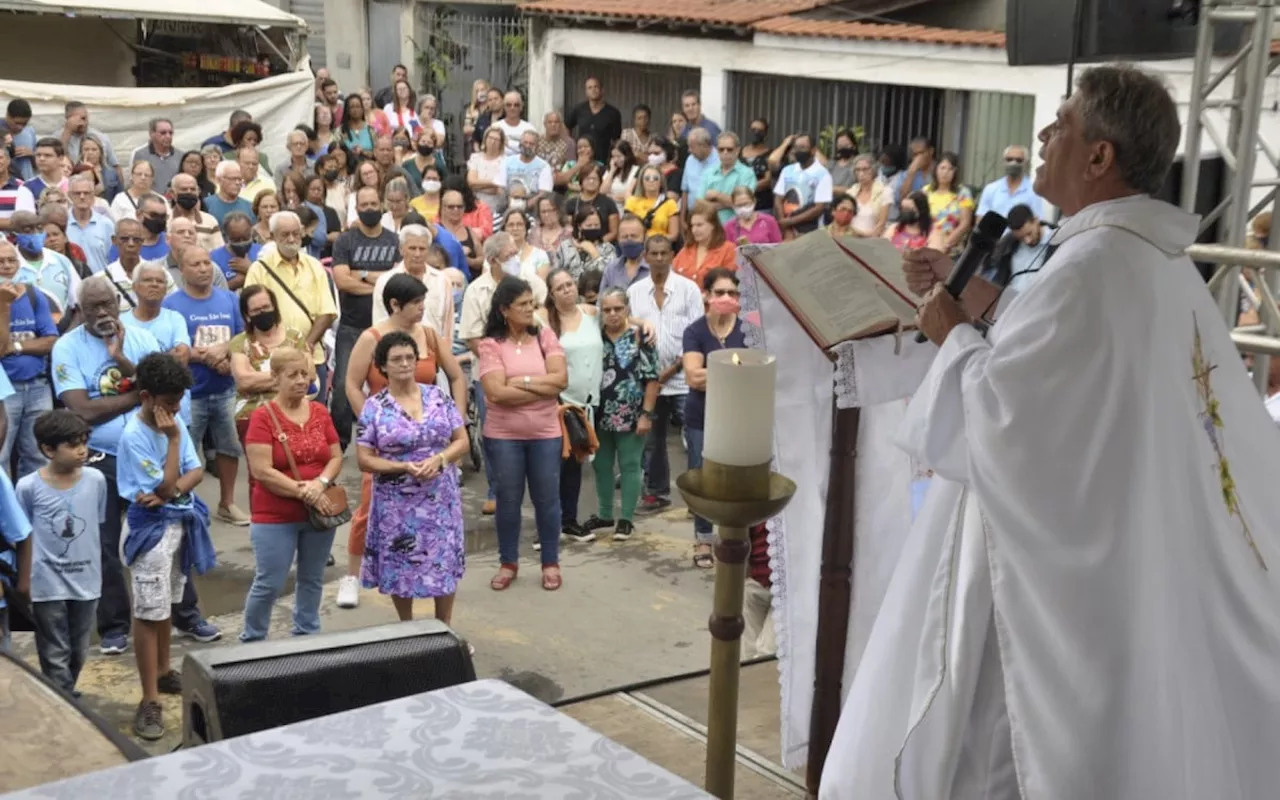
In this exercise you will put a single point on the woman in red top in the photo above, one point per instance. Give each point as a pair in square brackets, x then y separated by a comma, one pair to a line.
[280, 525]
[708, 247]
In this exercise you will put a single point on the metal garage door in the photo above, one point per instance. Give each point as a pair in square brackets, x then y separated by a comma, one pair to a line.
[627, 84]
[313, 12]
[888, 114]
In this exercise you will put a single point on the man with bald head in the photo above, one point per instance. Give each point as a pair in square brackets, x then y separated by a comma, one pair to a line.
[88, 228]
[1014, 189]
[182, 234]
[512, 125]
[127, 241]
[213, 317]
[186, 204]
[255, 182]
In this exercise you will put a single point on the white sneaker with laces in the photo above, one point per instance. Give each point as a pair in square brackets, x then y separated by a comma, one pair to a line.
[348, 591]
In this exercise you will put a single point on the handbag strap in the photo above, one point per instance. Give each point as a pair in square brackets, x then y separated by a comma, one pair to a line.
[310, 317]
[283, 439]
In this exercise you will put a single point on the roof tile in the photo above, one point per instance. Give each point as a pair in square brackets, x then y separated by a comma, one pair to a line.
[713, 12]
[875, 31]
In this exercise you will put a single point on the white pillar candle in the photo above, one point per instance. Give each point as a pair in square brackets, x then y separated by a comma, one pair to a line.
[739, 412]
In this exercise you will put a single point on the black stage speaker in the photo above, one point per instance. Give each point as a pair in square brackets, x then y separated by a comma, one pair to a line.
[245, 688]
[1210, 189]
[1039, 31]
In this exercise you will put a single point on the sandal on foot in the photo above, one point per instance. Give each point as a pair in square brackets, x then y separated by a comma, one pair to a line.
[704, 560]
[505, 577]
[551, 578]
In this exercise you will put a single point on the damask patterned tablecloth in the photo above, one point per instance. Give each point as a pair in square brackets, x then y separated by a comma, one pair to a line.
[484, 740]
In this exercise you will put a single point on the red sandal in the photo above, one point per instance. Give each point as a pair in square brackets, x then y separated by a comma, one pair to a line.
[505, 577]
[551, 578]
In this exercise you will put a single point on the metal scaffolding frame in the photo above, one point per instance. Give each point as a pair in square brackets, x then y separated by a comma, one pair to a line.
[1239, 148]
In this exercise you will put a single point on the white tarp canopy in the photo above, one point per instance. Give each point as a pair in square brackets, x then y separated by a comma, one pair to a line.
[219, 12]
[278, 104]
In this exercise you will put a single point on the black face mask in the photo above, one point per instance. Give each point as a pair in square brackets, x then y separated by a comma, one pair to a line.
[187, 201]
[265, 320]
[909, 216]
[758, 136]
[803, 157]
[239, 249]
[154, 225]
[846, 152]
[331, 175]
[425, 150]
[592, 234]
[370, 217]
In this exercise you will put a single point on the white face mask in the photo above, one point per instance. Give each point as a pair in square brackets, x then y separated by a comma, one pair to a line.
[511, 266]
[430, 186]
[657, 159]
[516, 204]
[743, 211]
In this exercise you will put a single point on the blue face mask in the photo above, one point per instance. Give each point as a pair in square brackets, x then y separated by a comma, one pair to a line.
[888, 172]
[29, 242]
[631, 250]
[457, 297]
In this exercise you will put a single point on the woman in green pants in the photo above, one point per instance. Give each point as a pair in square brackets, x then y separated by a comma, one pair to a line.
[628, 392]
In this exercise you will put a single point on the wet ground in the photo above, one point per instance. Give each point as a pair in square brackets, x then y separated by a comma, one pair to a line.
[628, 612]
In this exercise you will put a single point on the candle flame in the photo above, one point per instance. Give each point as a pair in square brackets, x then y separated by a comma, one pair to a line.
[736, 359]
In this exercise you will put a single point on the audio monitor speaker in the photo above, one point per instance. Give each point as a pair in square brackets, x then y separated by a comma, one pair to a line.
[245, 688]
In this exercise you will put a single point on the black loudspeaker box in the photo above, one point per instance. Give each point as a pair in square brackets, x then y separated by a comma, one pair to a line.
[1039, 31]
[246, 688]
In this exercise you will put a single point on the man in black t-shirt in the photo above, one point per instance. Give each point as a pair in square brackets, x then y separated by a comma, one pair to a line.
[596, 120]
[360, 256]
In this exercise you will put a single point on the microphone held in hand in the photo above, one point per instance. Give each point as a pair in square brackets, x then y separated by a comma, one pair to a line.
[981, 243]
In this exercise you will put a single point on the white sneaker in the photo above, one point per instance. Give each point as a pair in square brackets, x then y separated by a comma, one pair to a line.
[348, 591]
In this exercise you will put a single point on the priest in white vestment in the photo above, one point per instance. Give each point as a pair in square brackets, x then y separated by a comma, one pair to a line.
[1088, 604]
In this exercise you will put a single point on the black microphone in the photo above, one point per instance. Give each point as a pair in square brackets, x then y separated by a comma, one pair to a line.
[982, 241]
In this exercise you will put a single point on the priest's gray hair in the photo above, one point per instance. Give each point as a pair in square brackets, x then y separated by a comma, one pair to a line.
[495, 244]
[143, 266]
[414, 232]
[281, 216]
[1134, 111]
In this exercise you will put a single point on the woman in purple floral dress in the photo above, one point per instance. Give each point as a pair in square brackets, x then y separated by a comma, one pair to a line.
[411, 438]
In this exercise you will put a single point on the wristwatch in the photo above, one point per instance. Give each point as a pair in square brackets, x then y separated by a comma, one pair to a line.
[649, 413]
[17, 348]
[364, 274]
[324, 481]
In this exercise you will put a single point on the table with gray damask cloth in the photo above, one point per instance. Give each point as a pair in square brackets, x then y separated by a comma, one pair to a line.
[484, 740]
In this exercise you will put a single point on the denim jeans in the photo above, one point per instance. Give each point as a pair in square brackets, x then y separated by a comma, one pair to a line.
[274, 546]
[29, 400]
[484, 443]
[702, 531]
[657, 467]
[322, 380]
[216, 414]
[343, 416]
[515, 462]
[115, 614]
[63, 628]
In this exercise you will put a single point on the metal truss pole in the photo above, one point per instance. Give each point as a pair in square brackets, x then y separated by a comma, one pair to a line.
[1239, 149]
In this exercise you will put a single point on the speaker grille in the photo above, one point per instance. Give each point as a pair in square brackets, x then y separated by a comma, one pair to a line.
[264, 693]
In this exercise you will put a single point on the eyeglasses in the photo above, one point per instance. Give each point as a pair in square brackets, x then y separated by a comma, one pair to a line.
[726, 293]
[453, 207]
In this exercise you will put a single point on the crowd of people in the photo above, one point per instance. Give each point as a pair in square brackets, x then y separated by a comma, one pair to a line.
[168, 312]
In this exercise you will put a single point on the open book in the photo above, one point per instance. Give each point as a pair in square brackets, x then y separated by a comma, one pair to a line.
[839, 289]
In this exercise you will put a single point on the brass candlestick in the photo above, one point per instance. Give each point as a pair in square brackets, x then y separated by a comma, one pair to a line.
[734, 499]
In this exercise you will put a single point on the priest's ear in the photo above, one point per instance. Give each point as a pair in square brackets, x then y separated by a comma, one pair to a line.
[1102, 159]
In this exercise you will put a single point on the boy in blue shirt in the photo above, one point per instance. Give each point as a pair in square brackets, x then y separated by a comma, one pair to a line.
[67, 504]
[156, 471]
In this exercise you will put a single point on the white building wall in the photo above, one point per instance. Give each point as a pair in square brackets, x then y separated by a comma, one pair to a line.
[347, 42]
[942, 67]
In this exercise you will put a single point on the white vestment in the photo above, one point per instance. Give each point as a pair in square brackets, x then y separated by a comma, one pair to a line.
[1079, 610]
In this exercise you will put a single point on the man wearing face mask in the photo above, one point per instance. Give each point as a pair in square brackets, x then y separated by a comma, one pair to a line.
[630, 266]
[526, 168]
[1002, 194]
[415, 244]
[303, 299]
[49, 271]
[153, 215]
[238, 254]
[360, 256]
[756, 155]
[186, 205]
[803, 191]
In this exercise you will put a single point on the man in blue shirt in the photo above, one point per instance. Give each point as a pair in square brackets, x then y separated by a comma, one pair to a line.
[87, 227]
[691, 105]
[227, 197]
[240, 251]
[702, 159]
[150, 285]
[93, 376]
[23, 359]
[1002, 194]
[15, 553]
[17, 124]
[213, 317]
[153, 214]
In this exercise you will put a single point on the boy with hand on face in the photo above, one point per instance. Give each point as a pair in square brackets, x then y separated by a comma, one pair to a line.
[157, 469]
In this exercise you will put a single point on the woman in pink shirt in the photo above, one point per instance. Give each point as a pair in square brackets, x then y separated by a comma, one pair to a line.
[749, 226]
[522, 371]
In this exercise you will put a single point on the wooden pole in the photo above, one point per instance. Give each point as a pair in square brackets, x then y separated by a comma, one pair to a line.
[835, 592]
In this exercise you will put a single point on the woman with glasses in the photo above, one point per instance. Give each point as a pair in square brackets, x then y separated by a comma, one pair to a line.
[651, 205]
[872, 203]
[718, 330]
[141, 183]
